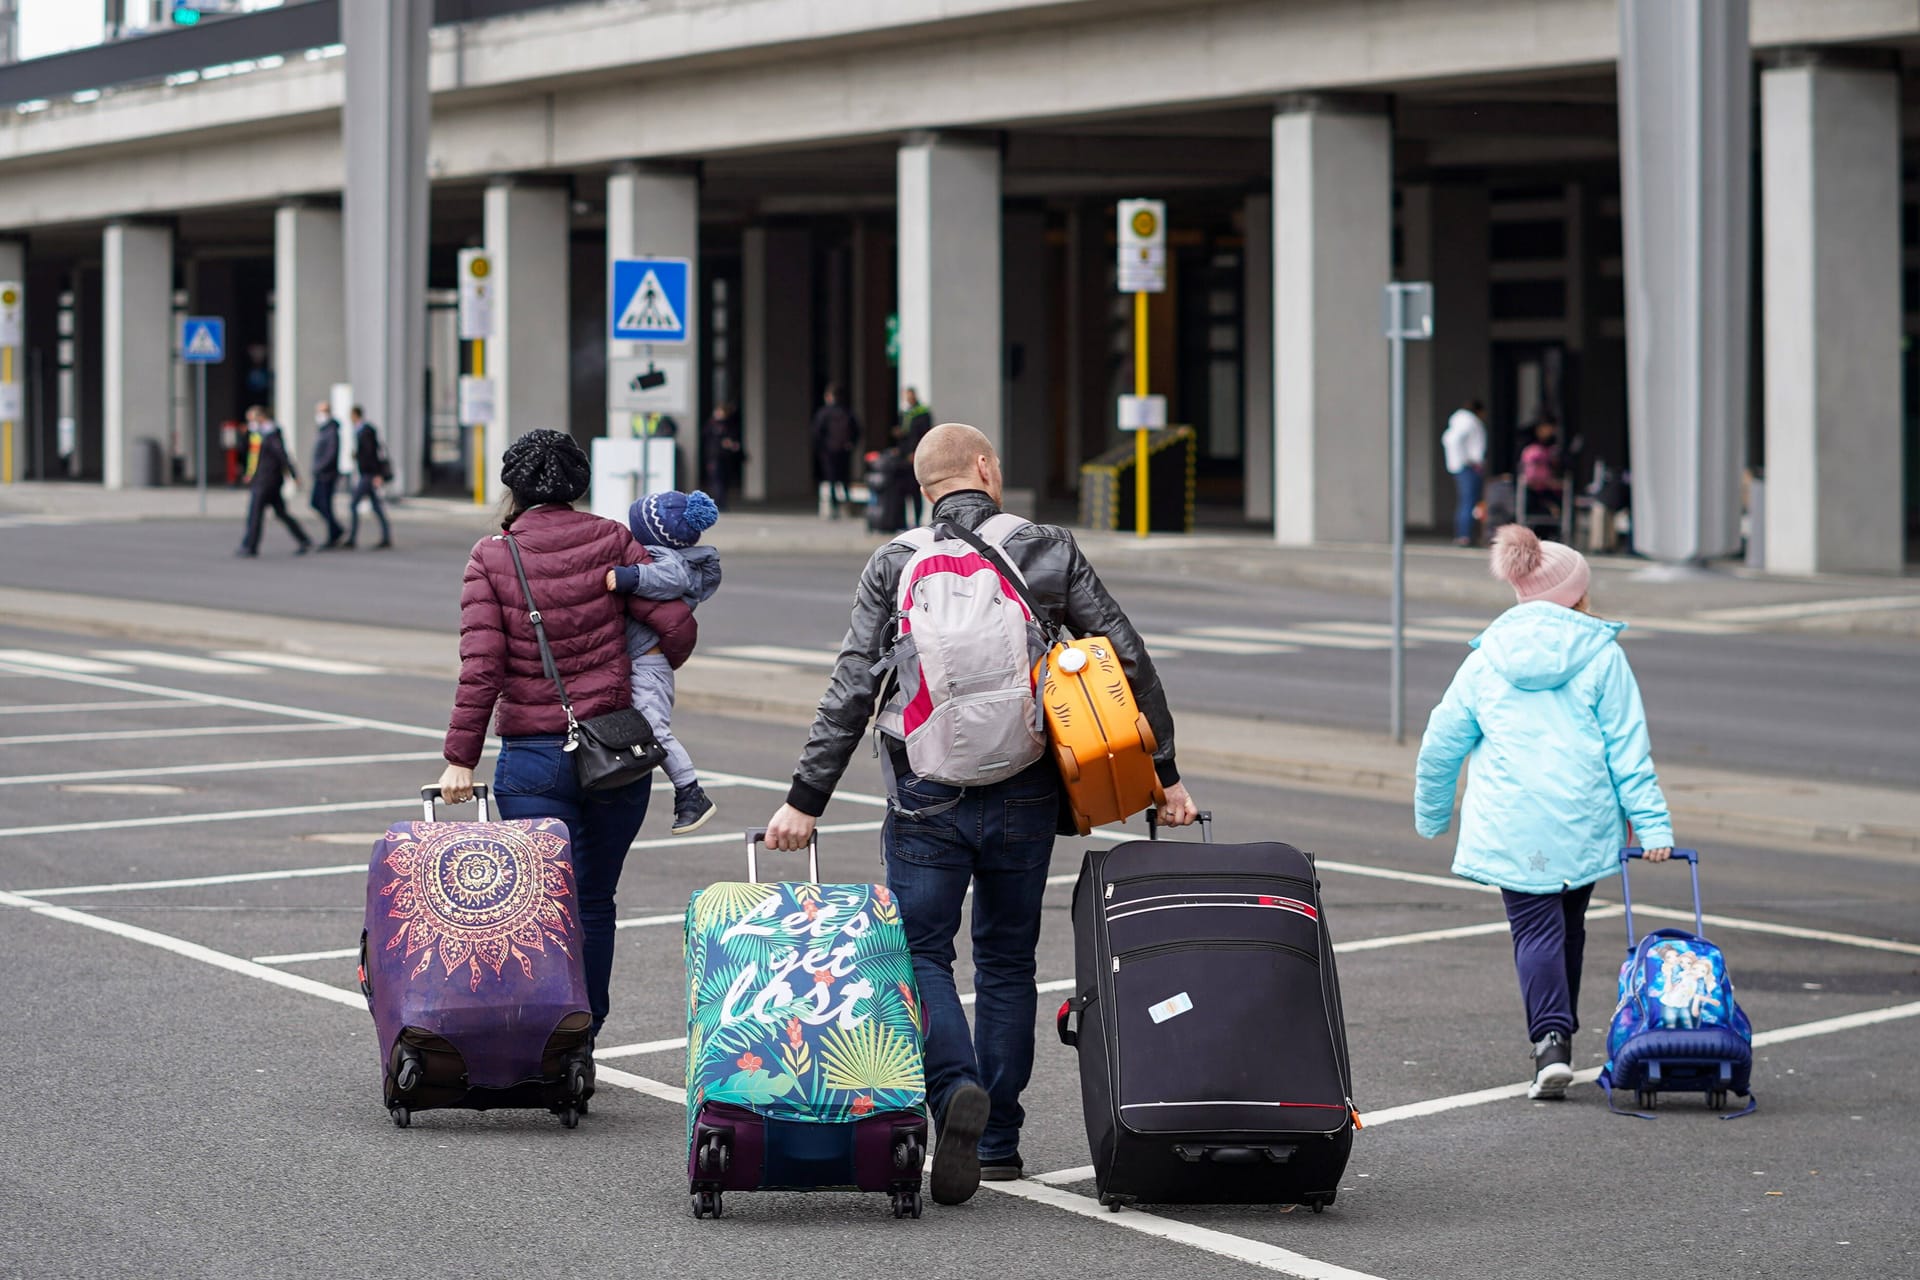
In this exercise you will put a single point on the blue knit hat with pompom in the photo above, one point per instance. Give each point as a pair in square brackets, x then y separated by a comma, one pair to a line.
[672, 519]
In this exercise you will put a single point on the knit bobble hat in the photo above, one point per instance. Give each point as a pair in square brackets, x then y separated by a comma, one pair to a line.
[545, 466]
[672, 519]
[1537, 570]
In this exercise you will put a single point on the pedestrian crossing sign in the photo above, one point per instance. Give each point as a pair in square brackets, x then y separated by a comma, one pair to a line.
[203, 339]
[649, 299]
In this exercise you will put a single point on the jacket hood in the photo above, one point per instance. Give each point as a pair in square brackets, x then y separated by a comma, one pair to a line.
[1540, 645]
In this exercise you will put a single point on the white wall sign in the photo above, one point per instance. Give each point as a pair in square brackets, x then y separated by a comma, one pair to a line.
[650, 384]
[1143, 246]
[476, 294]
[9, 402]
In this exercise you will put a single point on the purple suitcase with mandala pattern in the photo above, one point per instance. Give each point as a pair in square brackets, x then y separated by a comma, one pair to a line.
[470, 962]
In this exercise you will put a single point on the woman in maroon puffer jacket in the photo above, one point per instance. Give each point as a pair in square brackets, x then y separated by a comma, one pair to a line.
[567, 554]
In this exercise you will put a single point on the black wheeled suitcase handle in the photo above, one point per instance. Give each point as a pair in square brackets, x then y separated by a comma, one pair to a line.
[1206, 825]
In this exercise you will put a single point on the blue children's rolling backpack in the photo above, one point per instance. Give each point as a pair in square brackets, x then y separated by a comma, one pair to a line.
[1677, 1027]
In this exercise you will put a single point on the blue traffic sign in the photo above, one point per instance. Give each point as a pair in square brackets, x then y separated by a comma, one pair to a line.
[649, 301]
[203, 339]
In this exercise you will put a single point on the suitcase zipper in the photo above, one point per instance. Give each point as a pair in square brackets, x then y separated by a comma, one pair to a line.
[1262, 877]
[1140, 953]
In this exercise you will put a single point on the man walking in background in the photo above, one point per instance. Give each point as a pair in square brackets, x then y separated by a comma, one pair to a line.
[992, 840]
[370, 460]
[271, 469]
[1465, 444]
[326, 470]
[835, 430]
[916, 420]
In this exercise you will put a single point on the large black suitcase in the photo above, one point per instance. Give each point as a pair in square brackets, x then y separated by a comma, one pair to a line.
[1213, 1050]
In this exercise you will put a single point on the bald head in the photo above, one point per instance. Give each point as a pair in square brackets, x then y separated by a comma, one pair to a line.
[954, 456]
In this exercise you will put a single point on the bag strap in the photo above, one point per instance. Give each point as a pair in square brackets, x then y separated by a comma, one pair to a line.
[540, 632]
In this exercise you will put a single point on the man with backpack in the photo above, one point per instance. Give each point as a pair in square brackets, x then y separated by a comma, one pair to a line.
[974, 797]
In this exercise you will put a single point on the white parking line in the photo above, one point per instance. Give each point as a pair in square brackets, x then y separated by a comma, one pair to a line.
[301, 957]
[83, 708]
[43, 663]
[781, 654]
[1447, 935]
[189, 819]
[1290, 635]
[141, 735]
[299, 662]
[235, 766]
[221, 700]
[192, 882]
[177, 662]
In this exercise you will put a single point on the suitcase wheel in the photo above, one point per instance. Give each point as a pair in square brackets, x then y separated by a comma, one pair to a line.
[411, 1069]
[401, 1116]
[716, 1154]
[570, 1116]
[1646, 1099]
[908, 1154]
[906, 1204]
[706, 1204]
[1717, 1099]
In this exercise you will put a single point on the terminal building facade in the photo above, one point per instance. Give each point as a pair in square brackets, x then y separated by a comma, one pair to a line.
[1710, 277]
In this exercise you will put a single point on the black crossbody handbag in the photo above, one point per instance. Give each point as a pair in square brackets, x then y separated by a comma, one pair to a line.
[609, 751]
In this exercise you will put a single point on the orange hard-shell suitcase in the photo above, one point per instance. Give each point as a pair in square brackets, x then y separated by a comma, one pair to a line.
[1100, 738]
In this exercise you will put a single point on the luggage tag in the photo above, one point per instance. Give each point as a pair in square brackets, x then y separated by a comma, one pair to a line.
[1171, 1007]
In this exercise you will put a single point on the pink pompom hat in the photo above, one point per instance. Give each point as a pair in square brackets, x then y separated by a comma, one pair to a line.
[1537, 570]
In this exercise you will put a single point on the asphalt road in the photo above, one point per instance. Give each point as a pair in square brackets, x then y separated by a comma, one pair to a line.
[179, 1108]
[1793, 705]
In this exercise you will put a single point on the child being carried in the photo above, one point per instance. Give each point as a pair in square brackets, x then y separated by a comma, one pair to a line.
[669, 525]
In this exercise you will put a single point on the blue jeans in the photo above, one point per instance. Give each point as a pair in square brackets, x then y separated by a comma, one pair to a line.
[1466, 484]
[1549, 941]
[533, 778]
[998, 840]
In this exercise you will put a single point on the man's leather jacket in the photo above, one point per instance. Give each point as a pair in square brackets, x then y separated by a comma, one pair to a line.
[1063, 585]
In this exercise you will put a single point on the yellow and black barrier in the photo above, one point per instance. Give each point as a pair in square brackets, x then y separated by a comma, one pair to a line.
[1107, 484]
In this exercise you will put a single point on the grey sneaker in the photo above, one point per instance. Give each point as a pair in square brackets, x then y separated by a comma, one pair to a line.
[956, 1155]
[1552, 1066]
[691, 809]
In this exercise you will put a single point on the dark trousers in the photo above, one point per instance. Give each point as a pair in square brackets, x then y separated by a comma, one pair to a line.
[834, 466]
[1549, 940]
[365, 489]
[261, 501]
[997, 841]
[323, 503]
[533, 778]
[1467, 483]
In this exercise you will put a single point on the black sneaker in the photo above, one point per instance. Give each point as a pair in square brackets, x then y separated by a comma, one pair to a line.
[691, 809]
[956, 1157]
[1003, 1169]
[1552, 1066]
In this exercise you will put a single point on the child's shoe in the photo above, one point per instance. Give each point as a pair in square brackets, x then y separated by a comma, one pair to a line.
[691, 809]
[1552, 1066]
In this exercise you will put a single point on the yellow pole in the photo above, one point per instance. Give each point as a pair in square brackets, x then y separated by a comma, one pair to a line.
[1140, 437]
[479, 430]
[6, 428]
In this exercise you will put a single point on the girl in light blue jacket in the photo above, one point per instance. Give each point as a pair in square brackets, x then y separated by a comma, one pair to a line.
[1547, 712]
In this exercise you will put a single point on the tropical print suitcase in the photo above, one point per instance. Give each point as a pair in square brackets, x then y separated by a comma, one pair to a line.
[470, 961]
[804, 1051]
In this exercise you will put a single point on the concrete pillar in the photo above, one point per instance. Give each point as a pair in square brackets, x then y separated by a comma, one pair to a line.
[777, 393]
[655, 213]
[949, 279]
[309, 317]
[1830, 171]
[384, 129]
[527, 226]
[1684, 100]
[1028, 321]
[13, 461]
[1332, 229]
[1444, 230]
[1256, 346]
[137, 342]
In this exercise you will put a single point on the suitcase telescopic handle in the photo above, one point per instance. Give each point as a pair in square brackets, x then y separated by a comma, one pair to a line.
[1689, 856]
[1206, 824]
[430, 794]
[757, 836]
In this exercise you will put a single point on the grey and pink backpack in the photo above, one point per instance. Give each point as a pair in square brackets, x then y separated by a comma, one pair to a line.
[968, 639]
